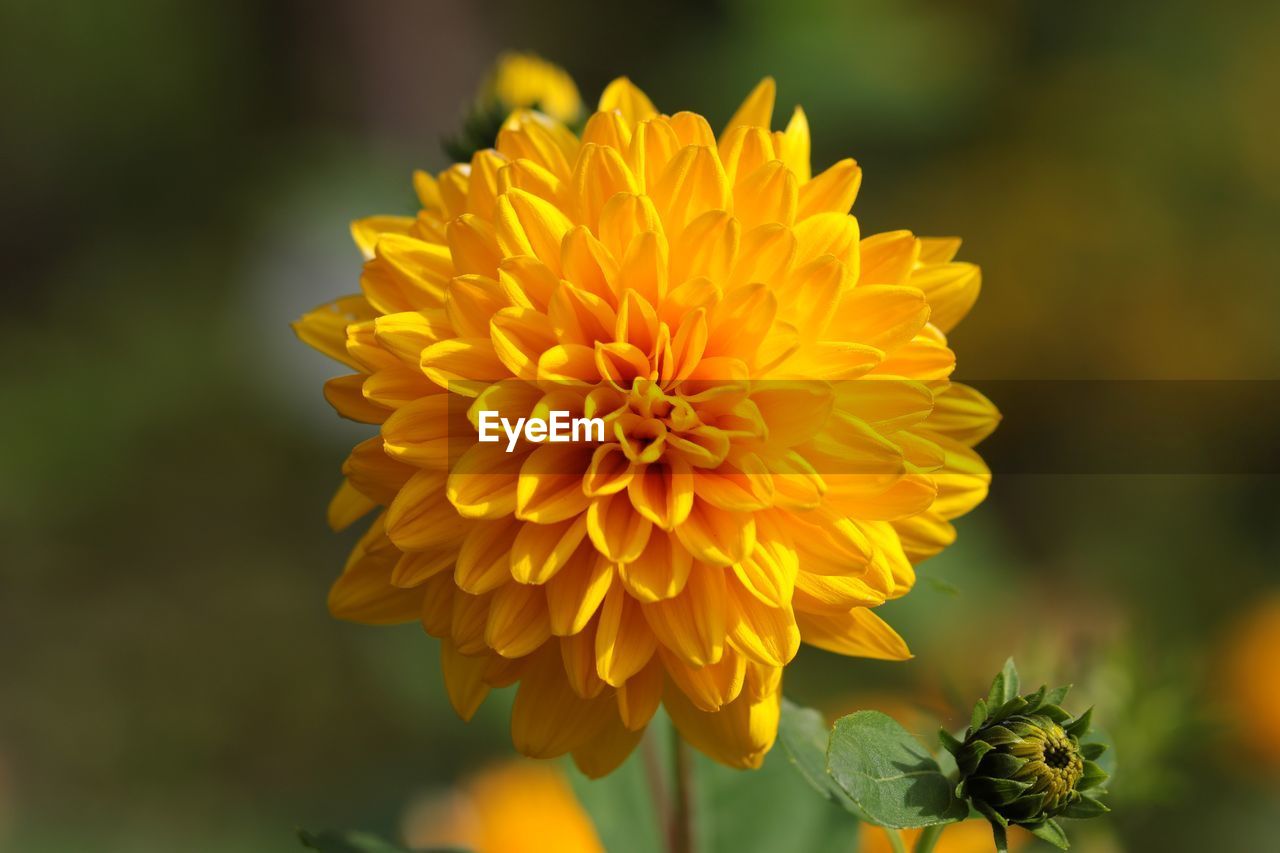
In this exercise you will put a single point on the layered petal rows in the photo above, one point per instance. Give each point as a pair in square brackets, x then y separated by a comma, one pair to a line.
[782, 440]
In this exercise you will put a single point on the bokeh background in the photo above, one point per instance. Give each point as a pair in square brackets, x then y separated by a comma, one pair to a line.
[177, 182]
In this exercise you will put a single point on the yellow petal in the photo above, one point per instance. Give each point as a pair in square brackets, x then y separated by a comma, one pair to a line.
[483, 562]
[766, 635]
[793, 145]
[579, 316]
[663, 492]
[757, 109]
[609, 471]
[325, 328]
[548, 719]
[600, 174]
[518, 620]
[541, 550]
[833, 361]
[469, 303]
[528, 135]
[626, 98]
[640, 696]
[660, 572]
[764, 255]
[888, 258]
[951, 290]
[654, 144]
[463, 679]
[578, 651]
[366, 231]
[520, 336]
[616, 529]
[832, 191]
[483, 482]
[717, 536]
[421, 517]
[346, 395]
[407, 273]
[622, 219]
[882, 316]
[692, 624]
[644, 268]
[738, 735]
[373, 473]
[963, 414]
[607, 749]
[464, 366]
[348, 505]
[768, 194]
[692, 183]
[550, 486]
[528, 225]
[770, 572]
[744, 150]
[575, 592]
[858, 633]
[364, 592]
[419, 432]
[417, 567]
[396, 386]
[624, 641]
[938, 250]
[527, 281]
[709, 687]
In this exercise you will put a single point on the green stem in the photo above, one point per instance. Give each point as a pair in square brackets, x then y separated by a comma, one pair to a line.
[1002, 841]
[928, 838]
[681, 838]
[655, 775]
[895, 840]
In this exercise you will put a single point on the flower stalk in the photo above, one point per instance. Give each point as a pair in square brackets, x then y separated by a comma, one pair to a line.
[681, 826]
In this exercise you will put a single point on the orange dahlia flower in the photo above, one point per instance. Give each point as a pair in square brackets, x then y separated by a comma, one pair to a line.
[782, 441]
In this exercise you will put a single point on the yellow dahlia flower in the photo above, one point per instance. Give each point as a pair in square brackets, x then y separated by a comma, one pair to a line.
[782, 441]
[515, 807]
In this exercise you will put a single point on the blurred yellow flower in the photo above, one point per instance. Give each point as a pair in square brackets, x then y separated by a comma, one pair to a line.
[515, 807]
[783, 442]
[970, 836]
[1252, 673]
[525, 80]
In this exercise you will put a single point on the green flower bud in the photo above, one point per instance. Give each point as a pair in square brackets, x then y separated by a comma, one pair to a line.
[1022, 761]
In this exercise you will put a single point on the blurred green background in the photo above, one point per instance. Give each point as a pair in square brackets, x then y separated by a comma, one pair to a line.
[177, 182]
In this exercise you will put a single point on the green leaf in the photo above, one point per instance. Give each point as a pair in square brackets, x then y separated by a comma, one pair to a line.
[1000, 837]
[738, 811]
[1057, 695]
[890, 778]
[1080, 727]
[1092, 777]
[949, 743]
[1092, 751]
[331, 841]
[804, 736]
[979, 716]
[1050, 831]
[1005, 686]
[1084, 808]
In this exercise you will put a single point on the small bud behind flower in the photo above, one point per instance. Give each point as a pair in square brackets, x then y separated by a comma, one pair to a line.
[517, 81]
[1021, 761]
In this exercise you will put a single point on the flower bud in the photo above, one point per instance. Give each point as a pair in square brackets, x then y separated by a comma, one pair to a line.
[1022, 762]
